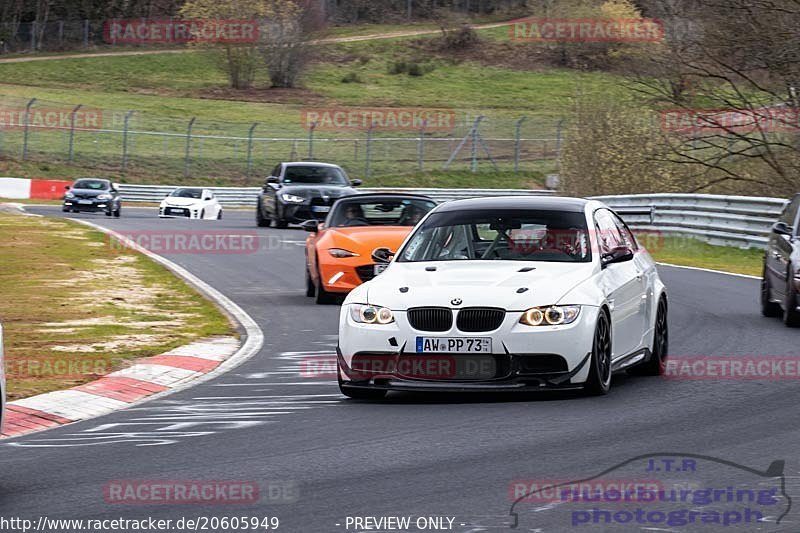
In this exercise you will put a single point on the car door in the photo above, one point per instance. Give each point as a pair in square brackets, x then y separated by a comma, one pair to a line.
[645, 272]
[621, 287]
[779, 251]
[270, 196]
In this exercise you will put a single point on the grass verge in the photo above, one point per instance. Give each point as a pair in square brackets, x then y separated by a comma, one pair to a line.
[74, 308]
[688, 251]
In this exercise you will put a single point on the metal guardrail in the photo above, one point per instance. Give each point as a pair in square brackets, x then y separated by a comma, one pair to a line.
[741, 221]
[246, 196]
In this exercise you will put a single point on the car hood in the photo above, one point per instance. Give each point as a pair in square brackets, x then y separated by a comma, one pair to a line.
[317, 191]
[365, 239]
[476, 283]
[183, 202]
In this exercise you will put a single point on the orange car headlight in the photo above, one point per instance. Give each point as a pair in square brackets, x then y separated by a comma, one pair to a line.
[341, 253]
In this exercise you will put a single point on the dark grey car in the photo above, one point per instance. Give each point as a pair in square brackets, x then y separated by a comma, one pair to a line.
[93, 195]
[781, 279]
[296, 192]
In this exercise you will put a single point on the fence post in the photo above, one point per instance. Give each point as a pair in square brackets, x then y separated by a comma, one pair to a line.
[33, 36]
[421, 147]
[311, 140]
[60, 33]
[86, 33]
[188, 147]
[474, 165]
[558, 138]
[368, 169]
[250, 148]
[72, 131]
[410, 9]
[125, 140]
[26, 130]
[517, 142]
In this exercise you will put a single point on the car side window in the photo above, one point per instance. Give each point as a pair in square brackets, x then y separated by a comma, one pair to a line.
[627, 235]
[608, 235]
[789, 214]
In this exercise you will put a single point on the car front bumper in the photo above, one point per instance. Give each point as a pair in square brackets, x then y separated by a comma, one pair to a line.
[524, 357]
[75, 205]
[178, 212]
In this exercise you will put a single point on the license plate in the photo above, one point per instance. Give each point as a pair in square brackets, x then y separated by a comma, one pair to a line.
[174, 211]
[85, 202]
[454, 345]
[380, 268]
[321, 208]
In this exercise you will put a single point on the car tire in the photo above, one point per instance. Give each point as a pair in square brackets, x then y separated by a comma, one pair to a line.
[311, 289]
[599, 381]
[280, 223]
[202, 214]
[658, 357]
[219, 215]
[262, 222]
[118, 212]
[359, 394]
[108, 213]
[791, 317]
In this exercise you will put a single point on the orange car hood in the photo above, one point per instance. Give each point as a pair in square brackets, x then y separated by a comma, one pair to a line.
[364, 239]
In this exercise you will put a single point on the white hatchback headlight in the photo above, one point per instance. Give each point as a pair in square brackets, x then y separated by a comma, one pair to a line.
[553, 315]
[104, 197]
[371, 314]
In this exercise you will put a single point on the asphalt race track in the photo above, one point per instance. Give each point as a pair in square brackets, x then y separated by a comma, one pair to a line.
[320, 458]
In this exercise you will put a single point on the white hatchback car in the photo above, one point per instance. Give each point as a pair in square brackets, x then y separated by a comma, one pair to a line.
[190, 202]
[505, 294]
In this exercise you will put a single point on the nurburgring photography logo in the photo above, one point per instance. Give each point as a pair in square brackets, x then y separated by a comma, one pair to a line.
[381, 119]
[586, 30]
[169, 31]
[680, 491]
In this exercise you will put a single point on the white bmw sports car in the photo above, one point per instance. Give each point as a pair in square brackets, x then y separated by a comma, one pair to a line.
[504, 294]
[188, 202]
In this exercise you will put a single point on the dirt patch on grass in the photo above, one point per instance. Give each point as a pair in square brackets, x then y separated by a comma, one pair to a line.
[65, 294]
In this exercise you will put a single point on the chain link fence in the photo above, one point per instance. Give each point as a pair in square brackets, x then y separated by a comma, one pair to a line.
[145, 144]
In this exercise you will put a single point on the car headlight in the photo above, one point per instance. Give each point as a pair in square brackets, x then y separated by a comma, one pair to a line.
[554, 315]
[341, 253]
[104, 197]
[69, 195]
[371, 314]
[292, 198]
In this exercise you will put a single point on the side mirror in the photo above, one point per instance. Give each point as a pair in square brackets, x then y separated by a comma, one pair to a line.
[311, 226]
[273, 179]
[67, 187]
[356, 183]
[207, 198]
[620, 254]
[782, 228]
[382, 255]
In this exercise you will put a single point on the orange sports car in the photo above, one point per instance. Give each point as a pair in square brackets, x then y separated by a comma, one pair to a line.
[339, 252]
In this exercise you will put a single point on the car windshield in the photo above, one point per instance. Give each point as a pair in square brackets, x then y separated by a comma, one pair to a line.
[379, 212]
[315, 175]
[95, 185]
[187, 193]
[508, 235]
